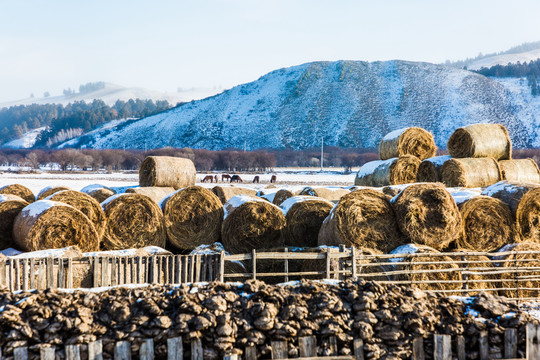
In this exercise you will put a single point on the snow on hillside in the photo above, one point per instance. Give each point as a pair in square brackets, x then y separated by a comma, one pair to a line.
[26, 141]
[111, 93]
[505, 59]
[349, 103]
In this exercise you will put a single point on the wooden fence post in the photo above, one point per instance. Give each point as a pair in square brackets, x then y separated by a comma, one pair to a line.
[196, 350]
[175, 349]
[146, 352]
[69, 273]
[250, 353]
[484, 345]
[20, 353]
[97, 276]
[327, 275]
[95, 350]
[222, 266]
[461, 347]
[230, 357]
[533, 348]
[47, 353]
[3, 273]
[353, 263]
[122, 350]
[286, 265]
[254, 262]
[510, 343]
[50, 272]
[25, 274]
[358, 346]
[442, 347]
[279, 350]
[332, 342]
[73, 352]
[307, 346]
[418, 348]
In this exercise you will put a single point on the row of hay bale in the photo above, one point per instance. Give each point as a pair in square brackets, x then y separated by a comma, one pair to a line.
[480, 155]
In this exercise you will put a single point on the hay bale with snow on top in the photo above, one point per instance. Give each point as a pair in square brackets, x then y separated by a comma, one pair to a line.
[282, 195]
[84, 203]
[304, 215]
[330, 194]
[167, 171]
[487, 224]
[156, 193]
[193, 217]
[47, 224]
[98, 192]
[429, 170]
[393, 171]
[224, 193]
[49, 190]
[470, 172]
[10, 207]
[413, 141]
[19, 190]
[133, 221]
[364, 219]
[522, 171]
[428, 215]
[251, 223]
[525, 284]
[479, 141]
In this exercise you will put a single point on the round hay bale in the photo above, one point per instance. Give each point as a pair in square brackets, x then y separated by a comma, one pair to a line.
[330, 194]
[19, 190]
[470, 172]
[522, 171]
[282, 195]
[10, 207]
[480, 140]
[524, 202]
[251, 223]
[393, 190]
[224, 193]
[487, 224]
[47, 224]
[529, 285]
[84, 203]
[49, 190]
[98, 192]
[304, 215]
[133, 221]
[413, 141]
[231, 267]
[167, 171]
[425, 276]
[428, 215]
[429, 170]
[156, 193]
[478, 264]
[364, 219]
[193, 217]
[401, 170]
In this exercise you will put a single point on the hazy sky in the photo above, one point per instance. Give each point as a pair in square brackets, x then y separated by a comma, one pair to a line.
[162, 45]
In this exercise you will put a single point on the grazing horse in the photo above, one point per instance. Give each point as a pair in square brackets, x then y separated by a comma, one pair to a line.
[256, 179]
[208, 178]
[273, 179]
[216, 178]
[225, 177]
[236, 178]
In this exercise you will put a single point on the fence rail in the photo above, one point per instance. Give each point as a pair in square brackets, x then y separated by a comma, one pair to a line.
[514, 273]
[443, 349]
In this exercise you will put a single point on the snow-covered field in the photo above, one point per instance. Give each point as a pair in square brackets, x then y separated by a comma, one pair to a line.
[294, 179]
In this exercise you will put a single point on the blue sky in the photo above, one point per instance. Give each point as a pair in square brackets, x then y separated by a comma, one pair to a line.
[162, 45]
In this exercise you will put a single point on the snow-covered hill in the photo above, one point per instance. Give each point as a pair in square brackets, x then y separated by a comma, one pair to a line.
[505, 59]
[349, 103]
[27, 141]
[111, 93]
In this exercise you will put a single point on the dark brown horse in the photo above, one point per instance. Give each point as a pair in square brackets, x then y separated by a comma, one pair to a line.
[208, 178]
[256, 179]
[236, 178]
[273, 179]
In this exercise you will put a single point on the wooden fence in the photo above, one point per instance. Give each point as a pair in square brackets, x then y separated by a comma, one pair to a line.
[443, 349]
[514, 273]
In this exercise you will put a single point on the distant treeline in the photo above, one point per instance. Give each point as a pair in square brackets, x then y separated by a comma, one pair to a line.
[205, 160]
[530, 70]
[72, 119]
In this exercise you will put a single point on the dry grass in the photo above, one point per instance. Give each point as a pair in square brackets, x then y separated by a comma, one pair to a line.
[49, 190]
[167, 171]
[224, 193]
[395, 171]
[481, 140]
[522, 171]
[414, 141]
[19, 190]
[10, 207]
[156, 193]
[304, 220]
[470, 172]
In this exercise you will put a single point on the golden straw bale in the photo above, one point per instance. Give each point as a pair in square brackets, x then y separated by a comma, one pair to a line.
[98, 192]
[480, 140]
[193, 217]
[46, 224]
[10, 207]
[522, 171]
[330, 194]
[304, 215]
[281, 196]
[84, 203]
[19, 190]
[476, 264]
[413, 141]
[395, 171]
[49, 190]
[529, 284]
[133, 221]
[167, 171]
[429, 170]
[224, 193]
[364, 219]
[487, 224]
[251, 223]
[428, 215]
[156, 193]
[470, 172]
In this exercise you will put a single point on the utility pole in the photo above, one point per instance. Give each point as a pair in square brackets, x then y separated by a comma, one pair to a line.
[245, 145]
[322, 153]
